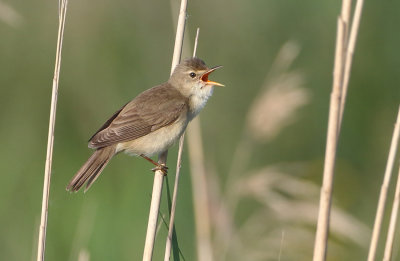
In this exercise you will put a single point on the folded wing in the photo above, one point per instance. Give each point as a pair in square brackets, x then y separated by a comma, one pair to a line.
[153, 109]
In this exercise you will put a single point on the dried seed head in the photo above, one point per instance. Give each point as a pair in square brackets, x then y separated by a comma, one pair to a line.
[276, 107]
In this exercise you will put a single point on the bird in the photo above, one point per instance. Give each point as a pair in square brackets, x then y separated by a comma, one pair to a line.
[150, 123]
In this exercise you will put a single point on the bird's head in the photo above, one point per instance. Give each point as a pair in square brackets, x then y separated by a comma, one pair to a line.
[190, 77]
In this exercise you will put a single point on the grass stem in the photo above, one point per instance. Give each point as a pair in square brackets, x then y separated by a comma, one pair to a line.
[50, 138]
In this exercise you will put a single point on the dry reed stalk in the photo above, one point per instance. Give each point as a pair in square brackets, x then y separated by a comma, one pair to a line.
[200, 192]
[350, 46]
[199, 187]
[168, 243]
[321, 238]
[177, 175]
[384, 191]
[343, 60]
[393, 222]
[180, 30]
[50, 139]
[162, 159]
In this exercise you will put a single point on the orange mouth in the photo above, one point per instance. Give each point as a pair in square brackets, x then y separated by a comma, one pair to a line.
[205, 79]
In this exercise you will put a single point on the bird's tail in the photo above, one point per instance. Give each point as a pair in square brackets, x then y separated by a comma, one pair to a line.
[90, 171]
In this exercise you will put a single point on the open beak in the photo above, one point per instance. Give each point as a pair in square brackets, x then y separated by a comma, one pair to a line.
[205, 79]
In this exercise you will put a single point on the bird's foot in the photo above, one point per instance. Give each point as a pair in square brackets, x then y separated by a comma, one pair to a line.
[159, 166]
[162, 167]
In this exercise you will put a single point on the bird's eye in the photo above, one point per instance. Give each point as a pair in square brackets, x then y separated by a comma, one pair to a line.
[192, 74]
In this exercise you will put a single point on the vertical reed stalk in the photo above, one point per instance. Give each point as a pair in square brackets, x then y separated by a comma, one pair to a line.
[393, 222]
[384, 191]
[321, 239]
[200, 193]
[199, 187]
[177, 175]
[343, 60]
[162, 159]
[50, 138]
[350, 47]
[171, 225]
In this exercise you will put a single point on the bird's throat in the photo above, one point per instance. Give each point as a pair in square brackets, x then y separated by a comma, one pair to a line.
[198, 100]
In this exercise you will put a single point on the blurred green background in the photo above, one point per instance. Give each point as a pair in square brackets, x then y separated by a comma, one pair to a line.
[113, 50]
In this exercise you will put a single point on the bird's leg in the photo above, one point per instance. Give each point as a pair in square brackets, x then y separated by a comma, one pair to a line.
[159, 166]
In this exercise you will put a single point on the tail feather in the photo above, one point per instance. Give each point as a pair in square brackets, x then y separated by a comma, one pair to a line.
[90, 171]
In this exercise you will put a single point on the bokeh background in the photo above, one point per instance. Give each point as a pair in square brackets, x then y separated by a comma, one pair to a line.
[263, 135]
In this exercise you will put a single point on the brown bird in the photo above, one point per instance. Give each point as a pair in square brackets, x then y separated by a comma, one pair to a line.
[150, 123]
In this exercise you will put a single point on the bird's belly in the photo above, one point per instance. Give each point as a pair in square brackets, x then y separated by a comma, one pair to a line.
[155, 142]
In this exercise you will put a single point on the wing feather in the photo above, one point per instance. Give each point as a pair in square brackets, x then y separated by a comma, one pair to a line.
[153, 109]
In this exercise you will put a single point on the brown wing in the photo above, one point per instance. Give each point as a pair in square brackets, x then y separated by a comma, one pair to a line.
[151, 110]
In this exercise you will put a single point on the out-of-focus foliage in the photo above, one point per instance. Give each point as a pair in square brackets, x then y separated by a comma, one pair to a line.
[113, 50]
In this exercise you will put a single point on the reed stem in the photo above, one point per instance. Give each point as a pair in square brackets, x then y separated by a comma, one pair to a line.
[162, 159]
[384, 191]
[345, 45]
[177, 176]
[50, 138]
